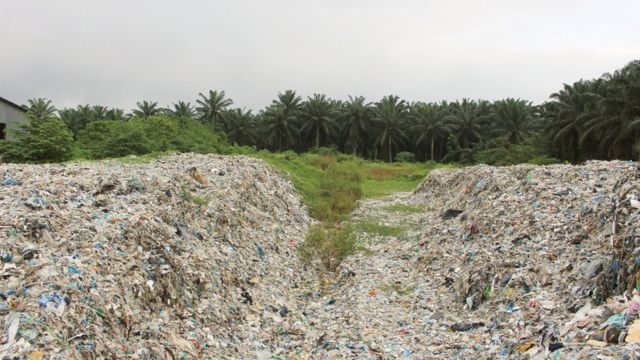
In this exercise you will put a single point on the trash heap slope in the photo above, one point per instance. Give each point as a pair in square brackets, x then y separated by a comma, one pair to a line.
[528, 247]
[167, 259]
[548, 216]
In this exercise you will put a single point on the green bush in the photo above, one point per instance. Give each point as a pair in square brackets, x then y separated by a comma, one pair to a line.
[242, 150]
[405, 156]
[501, 152]
[47, 140]
[102, 139]
[289, 154]
[325, 151]
[330, 246]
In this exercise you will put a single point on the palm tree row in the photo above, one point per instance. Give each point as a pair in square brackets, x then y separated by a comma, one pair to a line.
[597, 119]
[589, 119]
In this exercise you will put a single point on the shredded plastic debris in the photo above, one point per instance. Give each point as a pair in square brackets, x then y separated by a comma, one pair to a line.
[194, 256]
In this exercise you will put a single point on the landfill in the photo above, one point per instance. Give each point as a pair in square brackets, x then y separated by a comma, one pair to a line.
[182, 257]
[194, 256]
[519, 262]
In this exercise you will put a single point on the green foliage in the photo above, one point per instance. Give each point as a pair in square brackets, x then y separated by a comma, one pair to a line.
[196, 199]
[289, 154]
[329, 245]
[40, 140]
[486, 293]
[589, 119]
[405, 156]
[102, 139]
[501, 151]
[325, 151]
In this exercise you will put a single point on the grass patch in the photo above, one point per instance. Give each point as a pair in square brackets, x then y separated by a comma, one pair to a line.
[374, 228]
[403, 208]
[382, 179]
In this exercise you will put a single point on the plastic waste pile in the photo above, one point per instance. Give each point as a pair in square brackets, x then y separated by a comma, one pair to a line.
[500, 262]
[188, 256]
[551, 254]
[194, 256]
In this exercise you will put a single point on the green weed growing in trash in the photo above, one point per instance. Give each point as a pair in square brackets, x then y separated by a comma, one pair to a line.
[196, 199]
[486, 294]
[329, 245]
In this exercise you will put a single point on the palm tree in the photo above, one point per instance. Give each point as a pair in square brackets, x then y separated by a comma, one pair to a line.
[115, 114]
[280, 126]
[289, 101]
[617, 124]
[182, 110]
[40, 109]
[147, 109]
[513, 119]
[70, 117]
[390, 114]
[212, 108]
[567, 113]
[356, 115]
[242, 127]
[432, 126]
[99, 112]
[467, 122]
[319, 116]
[281, 120]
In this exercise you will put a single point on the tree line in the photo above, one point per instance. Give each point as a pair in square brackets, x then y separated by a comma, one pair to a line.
[589, 119]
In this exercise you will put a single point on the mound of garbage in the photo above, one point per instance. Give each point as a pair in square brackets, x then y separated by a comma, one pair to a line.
[553, 250]
[181, 257]
[194, 256]
[493, 262]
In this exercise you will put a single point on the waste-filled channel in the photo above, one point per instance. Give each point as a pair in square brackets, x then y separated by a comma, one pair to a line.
[195, 256]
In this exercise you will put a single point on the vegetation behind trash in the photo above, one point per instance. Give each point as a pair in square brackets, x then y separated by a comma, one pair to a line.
[589, 119]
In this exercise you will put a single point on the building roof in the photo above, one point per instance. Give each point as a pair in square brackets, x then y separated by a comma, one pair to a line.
[10, 103]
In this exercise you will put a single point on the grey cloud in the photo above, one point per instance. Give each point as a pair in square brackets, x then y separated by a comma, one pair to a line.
[118, 52]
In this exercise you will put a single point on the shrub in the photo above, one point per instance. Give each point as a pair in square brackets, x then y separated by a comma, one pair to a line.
[500, 151]
[320, 161]
[405, 156]
[330, 246]
[101, 139]
[325, 151]
[289, 154]
[46, 140]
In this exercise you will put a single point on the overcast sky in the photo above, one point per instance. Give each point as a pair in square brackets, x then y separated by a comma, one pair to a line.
[117, 52]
